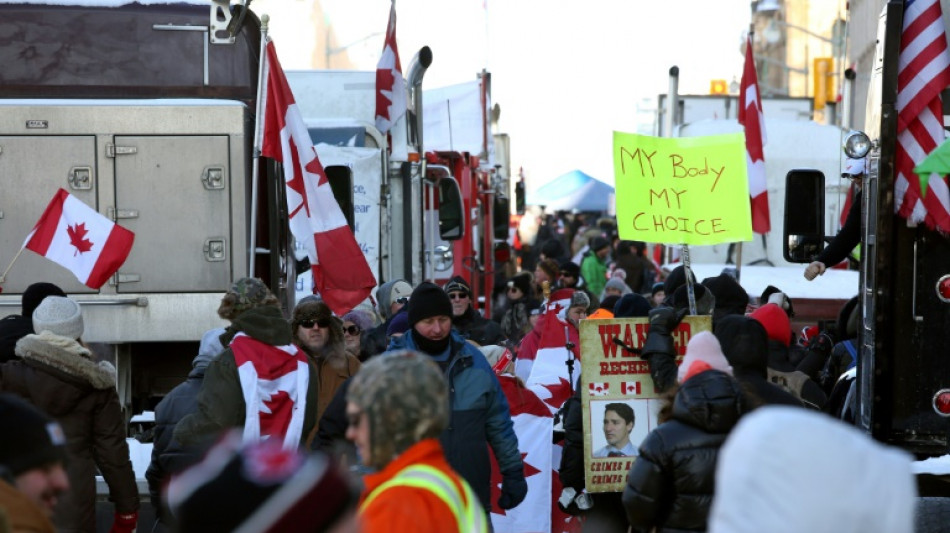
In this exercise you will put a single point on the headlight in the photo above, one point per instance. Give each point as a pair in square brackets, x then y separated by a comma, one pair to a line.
[857, 144]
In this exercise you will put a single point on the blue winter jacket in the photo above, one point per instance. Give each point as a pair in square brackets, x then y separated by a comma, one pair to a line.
[479, 414]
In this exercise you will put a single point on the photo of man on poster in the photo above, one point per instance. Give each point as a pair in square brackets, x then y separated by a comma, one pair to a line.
[618, 424]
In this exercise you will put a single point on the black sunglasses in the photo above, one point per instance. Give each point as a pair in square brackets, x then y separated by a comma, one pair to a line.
[457, 295]
[353, 330]
[403, 300]
[323, 323]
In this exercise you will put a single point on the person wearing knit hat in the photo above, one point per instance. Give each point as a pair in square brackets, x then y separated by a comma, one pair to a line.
[465, 319]
[58, 374]
[702, 353]
[32, 453]
[168, 456]
[393, 298]
[787, 470]
[261, 487]
[356, 325]
[15, 327]
[398, 406]
[615, 287]
[670, 487]
[572, 272]
[320, 335]
[398, 326]
[259, 341]
[657, 293]
[594, 265]
[478, 405]
[781, 371]
[745, 344]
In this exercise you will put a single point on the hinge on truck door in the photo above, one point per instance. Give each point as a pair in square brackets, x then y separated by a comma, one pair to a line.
[112, 150]
[125, 278]
[116, 214]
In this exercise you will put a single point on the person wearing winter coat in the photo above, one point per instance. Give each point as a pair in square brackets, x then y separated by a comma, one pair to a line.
[15, 327]
[55, 372]
[745, 344]
[392, 298]
[515, 323]
[671, 485]
[397, 407]
[780, 370]
[478, 412]
[787, 470]
[594, 265]
[168, 455]
[260, 338]
[466, 320]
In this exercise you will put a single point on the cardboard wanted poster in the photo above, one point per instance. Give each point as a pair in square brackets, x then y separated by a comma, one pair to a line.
[619, 401]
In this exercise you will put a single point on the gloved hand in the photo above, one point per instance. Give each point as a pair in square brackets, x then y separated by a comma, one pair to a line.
[124, 522]
[779, 299]
[513, 489]
[815, 268]
[663, 320]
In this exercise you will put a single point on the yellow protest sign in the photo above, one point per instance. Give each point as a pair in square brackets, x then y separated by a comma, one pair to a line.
[691, 190]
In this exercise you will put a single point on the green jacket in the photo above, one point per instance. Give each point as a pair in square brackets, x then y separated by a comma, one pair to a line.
[594, 272]
[220, 401]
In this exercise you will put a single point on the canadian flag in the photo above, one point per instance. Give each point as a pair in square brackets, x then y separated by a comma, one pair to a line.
[274, 382]
[549, 377]
[390, 85]
[630, 388]
[750, 116]
[316, 220]
[77, 237]
[598, 388]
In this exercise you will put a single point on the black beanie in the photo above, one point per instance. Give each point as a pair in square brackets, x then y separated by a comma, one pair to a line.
[632, 305]
[428, 300]
[30, 438]
[35, 293]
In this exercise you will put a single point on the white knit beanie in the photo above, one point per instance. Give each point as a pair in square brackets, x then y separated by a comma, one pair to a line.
[60, 316]
[702, 353]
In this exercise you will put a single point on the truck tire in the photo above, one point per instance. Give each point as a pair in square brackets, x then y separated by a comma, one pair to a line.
[933, 515]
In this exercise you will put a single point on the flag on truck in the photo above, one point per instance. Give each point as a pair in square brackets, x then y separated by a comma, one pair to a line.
[924, 71]
[390, 85]
[343, 278]
[77, 237]
[750, 116]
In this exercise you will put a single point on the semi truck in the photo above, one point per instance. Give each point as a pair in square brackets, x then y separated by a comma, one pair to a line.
[430, 200]
[903, 379]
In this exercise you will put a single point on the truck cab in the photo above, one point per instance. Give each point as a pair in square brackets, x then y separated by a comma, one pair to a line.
[903, 376]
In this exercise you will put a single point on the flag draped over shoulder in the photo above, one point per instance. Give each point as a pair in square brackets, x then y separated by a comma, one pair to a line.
[923, 72]
[340, 272]
[274, 382]
[750, 116]
[77, 237]
[390, 84]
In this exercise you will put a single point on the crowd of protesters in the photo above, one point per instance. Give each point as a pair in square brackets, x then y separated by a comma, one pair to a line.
[382, 419]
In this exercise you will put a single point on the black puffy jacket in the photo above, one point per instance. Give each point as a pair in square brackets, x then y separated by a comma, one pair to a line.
[670, 486]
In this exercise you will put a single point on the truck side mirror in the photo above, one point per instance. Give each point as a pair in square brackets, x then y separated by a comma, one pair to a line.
[501, 216]
[451, 221]
[804, 232]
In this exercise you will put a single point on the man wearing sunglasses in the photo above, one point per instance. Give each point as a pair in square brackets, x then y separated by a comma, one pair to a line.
[391, 298]
[465, 319]
[320, 335]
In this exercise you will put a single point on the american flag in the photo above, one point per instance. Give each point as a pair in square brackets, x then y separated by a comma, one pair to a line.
[750, 116]
[923, 72]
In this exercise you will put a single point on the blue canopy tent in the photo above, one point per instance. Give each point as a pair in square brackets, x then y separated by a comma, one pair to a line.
[572, 191]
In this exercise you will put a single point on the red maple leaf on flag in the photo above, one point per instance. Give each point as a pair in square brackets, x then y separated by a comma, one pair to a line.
[276, 422]
[77, 234]
[560, 392]
[529, 470]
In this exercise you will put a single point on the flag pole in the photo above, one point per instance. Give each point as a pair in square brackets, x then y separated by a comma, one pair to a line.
[3, 277]
[738, 260]
[258, 126]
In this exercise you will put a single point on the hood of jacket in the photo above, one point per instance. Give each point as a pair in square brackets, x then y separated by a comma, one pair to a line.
[266, 324]
[745, 344]
[711, 401]
[67, 356]
[383, 298]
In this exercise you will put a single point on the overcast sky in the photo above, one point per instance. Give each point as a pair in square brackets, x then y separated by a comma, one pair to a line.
[565, 73]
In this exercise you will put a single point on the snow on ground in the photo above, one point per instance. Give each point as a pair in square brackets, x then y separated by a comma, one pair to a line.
[834, 284]
[938, 466]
